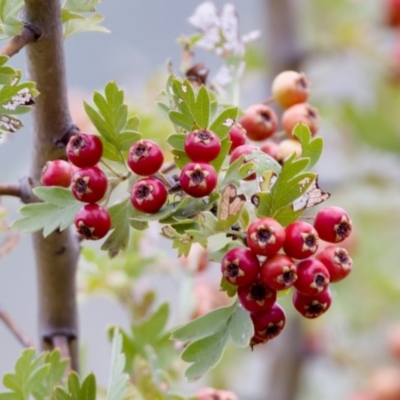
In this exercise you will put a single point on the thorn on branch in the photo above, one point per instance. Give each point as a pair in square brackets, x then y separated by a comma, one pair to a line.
[15, 329]
[28, 35]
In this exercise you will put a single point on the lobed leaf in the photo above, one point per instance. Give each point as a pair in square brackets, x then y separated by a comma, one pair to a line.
[311, 149]
[224, 122]
[118, 381]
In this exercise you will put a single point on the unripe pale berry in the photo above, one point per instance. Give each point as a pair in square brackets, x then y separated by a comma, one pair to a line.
[265, 236]
[202, 145]
[271, 148]
[89, 184]
[312, 306]
[259, 121]
[57, 173]
[145, 157]
[287, 147]
[290, 88]
[240, 266]
[337, 261]
[301, 112]
[93, 221]
[84, 150]
[148, 195]
[333, 224]
[198, 179]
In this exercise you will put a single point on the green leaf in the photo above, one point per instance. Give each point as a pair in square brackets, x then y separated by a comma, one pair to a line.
[241, 327]
[10, 25]
[76, 391]
[118, 381]
[180, 158]
[311, 149]
[111, 120]
[181, 120]
[205, 325]
[119, 238]
[7, 73]
[81, 5]
[219, 161]
[201, 111]
[224, 122]
[110, 152]
[177, 141]
[57, 212]
[227, 287]
[75, 23]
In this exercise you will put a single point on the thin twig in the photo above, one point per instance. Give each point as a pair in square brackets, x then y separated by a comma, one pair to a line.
[28, 35]
[15, 329]
[10, 190]
[168, 167]
[269, 101]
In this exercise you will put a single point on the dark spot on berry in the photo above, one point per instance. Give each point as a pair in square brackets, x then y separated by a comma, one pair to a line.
[344, 229]
[343, 257]
[288, 277]
[233, 270]
[85, 231]
[81, 186]
[263, 235]
[197, 177]
[310, 240]
[319, 280]
[272, 331]
[315, 309]
[203, 135]
[78, 142]
[258, 291]
[266, 117]
[142, 191]
[140, 149]
[311, 113]
[302, 83]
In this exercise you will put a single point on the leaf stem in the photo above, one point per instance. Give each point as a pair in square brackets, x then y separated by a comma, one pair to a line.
[241, 235]
[108, 166]
[24, 339]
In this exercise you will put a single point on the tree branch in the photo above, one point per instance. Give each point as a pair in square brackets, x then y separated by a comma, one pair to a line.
[57, 255]
[28, 35]
[15, 329]
[10, 190]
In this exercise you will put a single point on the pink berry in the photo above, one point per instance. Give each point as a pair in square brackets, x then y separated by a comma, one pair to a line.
[312, 277]
[145, 157]
[148, 195]
[279, 272]
[84, 150]
[304, 113]
[89, 184]
[290, 88]
[312, 306]
[333, 224]
[198, 179]
[93, 221]
[269, 324]
[259, 121]
[301, 240]
[257, 297]
[337, 261]
[202, 145]
[57, 173]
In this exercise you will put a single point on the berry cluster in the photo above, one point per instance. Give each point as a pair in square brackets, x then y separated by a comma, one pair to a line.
[87, 181]
[260, 122]
[278, 258]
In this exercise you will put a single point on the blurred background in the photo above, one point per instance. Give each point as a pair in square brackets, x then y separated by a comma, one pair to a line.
[350, 51]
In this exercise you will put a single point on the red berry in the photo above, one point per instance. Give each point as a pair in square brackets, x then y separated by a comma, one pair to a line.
[89, 184]
[312, 306]
[265, 236]
[312, 277]
[148, 195]
[260, 122]
[392, 13]
[304, 113]
[270, 148]
[240, 266]
[198, 179]
[279, 272]
[145, 157]
[57, 173]
[257, 297]
[202, 145]
[243, 151]
[301, 240]
[93, 221]
[84, 150]
[237, 136]
[337, 261]
[290, 88]
[268, 324]
[333, 224]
